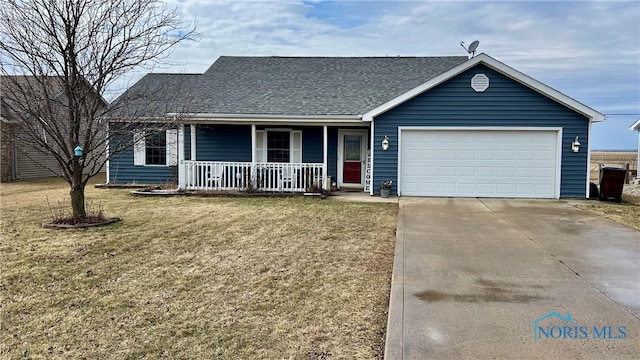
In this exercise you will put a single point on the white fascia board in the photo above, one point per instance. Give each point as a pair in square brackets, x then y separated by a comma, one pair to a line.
[267, 120]
[502, 68]
[268, 117]
[204, 118]
[635, 126]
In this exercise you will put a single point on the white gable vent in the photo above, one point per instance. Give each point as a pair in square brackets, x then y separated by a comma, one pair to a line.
[480, 82]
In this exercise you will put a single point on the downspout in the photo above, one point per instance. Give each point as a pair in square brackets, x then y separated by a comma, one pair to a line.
[638, 163]
[588, 192]
[13, 174]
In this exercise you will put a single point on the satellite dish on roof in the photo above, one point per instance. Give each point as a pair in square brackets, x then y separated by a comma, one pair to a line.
[472, 48]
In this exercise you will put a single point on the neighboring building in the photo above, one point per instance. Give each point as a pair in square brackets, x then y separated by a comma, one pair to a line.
[19, 159]
[435, 126]
[6, 150]
[636, 127]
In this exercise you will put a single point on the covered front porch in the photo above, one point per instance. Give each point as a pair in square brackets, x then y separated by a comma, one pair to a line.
[276, 157]
[282, 177]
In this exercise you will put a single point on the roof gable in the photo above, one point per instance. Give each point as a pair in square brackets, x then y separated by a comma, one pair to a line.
[500, 67]
[635, 126]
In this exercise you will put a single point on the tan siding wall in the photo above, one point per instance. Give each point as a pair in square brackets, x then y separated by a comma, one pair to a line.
[6, 146]
[31, 164]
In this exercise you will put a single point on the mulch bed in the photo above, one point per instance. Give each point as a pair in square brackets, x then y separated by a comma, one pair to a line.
[212, 193]
[72, 224]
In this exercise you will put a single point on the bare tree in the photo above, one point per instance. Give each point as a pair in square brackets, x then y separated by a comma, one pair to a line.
[60, 56]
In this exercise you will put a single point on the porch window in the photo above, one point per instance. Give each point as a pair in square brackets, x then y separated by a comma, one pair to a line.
[278, 146]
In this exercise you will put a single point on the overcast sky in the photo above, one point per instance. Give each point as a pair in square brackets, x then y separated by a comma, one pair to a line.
[587, 50]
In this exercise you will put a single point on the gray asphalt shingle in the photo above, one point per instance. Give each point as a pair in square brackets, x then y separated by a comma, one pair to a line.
[283, 85]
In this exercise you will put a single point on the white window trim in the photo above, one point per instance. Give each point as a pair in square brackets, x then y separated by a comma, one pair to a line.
[171, 147]
[265, 146]
[140, 151]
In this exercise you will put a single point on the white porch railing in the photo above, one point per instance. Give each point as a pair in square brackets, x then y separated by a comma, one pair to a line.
[218, 175]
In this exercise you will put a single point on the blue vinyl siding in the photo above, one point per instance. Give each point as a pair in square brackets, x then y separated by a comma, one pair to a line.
[122, 170]
[504, 103]
[332, 153]
[187, 142]
[223, 143]
[311, 144]
[311, 141]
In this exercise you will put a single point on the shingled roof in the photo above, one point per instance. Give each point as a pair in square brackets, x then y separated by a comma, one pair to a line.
[21, 95]
[282, 86]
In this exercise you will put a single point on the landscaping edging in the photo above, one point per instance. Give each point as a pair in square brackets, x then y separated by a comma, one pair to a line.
[123, 186]
[80, 225]
[233, 194]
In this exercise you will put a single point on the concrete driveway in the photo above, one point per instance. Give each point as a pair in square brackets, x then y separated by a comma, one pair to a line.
[479, 278]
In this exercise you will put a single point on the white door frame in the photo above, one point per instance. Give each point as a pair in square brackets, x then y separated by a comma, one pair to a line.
[363, 155]
[557, 130]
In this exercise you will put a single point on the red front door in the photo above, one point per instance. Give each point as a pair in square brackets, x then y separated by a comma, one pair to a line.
[352, 167]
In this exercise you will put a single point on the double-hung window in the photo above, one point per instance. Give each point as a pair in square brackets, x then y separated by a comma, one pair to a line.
[279, 145]
[155, 148]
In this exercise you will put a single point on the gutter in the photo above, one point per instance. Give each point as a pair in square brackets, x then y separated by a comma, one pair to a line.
[268, 119]
[264, 117]
[209, 118]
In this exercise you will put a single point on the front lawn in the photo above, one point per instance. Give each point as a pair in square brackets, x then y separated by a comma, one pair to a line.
[194, 278]
[627, 213]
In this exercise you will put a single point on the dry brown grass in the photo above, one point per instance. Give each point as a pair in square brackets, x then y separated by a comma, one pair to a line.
[191, 278]
[612, 158]
[627, 213]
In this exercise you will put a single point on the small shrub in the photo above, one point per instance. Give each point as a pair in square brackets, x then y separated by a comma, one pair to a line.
[61, 214]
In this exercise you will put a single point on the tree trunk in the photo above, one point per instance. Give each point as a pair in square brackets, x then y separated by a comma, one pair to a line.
[77, 192]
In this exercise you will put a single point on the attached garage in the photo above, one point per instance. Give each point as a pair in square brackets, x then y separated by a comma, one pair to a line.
[483, 129]
[514, 163]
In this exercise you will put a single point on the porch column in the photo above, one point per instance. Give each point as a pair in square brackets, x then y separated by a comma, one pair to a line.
[371, 183]
[253, 153]
[325, 158]
[107, 174]
[193, 142]
[181, 167]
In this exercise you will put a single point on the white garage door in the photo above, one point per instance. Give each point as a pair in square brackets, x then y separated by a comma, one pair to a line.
[478, 163]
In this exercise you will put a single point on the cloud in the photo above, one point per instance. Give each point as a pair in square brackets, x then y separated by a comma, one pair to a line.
[588, 50]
